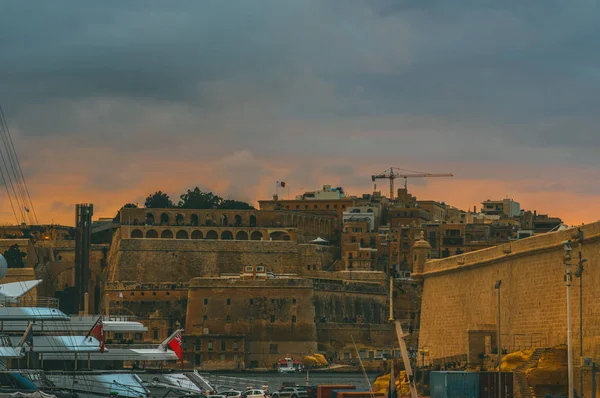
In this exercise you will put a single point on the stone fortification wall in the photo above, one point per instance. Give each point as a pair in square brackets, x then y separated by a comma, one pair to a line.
[161, 260]
[341, 301]
[341, 338]
[275, 316]
[459, 298]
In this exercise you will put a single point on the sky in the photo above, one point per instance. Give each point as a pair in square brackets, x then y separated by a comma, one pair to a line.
[110, 101]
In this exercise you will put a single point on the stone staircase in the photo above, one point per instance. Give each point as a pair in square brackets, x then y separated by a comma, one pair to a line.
[523, 388]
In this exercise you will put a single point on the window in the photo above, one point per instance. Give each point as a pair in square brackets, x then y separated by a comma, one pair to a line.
[272, 301]
[235, 357]
[273, 349]
[205, 318]
[197, 359]
[223, 345]
[209, 345]
[228, 319]
[197, 345]
[293, 301]
[205, 301]
[222, 357]
[346, 355]
[228, 301]
[235, 346]
[293, 318]
[272, 318]
[251, 301]
[138, 336]
[155, 334]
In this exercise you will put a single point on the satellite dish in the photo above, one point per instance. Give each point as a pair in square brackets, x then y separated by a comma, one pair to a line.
[3, 266]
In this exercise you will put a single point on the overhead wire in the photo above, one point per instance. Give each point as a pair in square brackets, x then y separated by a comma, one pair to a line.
[10, 186]
[16, 166]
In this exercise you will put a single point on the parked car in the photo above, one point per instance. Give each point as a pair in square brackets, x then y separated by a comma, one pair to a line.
[254, 393]
[291, 392]
[231, 393]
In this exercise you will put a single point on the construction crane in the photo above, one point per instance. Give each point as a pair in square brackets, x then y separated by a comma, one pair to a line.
[394, 172]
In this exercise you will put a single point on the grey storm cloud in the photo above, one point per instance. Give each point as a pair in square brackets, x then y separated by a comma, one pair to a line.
[505, 81]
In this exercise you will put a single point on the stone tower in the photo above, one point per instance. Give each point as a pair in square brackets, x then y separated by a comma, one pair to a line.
[421, 252]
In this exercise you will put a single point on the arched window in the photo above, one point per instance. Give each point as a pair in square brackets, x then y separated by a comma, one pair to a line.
[164, 219]
[241, 235]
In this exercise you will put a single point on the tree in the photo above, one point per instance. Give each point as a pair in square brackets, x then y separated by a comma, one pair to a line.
[127, 206]
[14, 257]
[158, 200]
[197, 199]
[229, 204]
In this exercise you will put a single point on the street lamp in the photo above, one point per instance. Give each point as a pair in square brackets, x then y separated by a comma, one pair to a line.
[579, 274]
[497, 286]
[568, 281]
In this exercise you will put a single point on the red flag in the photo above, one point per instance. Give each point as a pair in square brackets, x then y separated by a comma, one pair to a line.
[176, 346]
[98, 332]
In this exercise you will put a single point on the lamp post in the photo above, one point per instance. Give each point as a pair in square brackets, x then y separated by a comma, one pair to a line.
[497, 286]
[568, 281]
[579, 274]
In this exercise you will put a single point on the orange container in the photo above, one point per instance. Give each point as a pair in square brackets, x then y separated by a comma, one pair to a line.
[360, 394]
[324, 390]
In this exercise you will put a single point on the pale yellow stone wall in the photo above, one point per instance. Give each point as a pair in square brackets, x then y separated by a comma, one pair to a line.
[459, 293]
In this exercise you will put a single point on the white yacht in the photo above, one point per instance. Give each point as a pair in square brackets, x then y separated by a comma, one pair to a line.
[34, 333]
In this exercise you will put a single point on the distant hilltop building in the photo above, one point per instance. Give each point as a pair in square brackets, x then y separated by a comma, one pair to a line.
[501, 208]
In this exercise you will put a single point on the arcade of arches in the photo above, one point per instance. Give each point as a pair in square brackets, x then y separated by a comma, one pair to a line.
[224, 224]
[210, 233]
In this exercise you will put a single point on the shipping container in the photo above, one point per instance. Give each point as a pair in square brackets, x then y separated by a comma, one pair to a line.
[470, 384]
[454, 384]
[488, 385]
[334, 393]
[362, 394]
[324, 390]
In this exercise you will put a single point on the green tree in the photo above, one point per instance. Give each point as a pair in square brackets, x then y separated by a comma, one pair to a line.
[229, 204]
[197, 199]
[158, 200]
[14, 257]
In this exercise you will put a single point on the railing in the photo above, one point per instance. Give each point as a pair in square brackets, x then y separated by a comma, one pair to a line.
[146, 286]
[49, 302]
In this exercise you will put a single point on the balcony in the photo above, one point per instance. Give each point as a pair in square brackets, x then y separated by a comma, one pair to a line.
[453, 241]
[46, 302]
